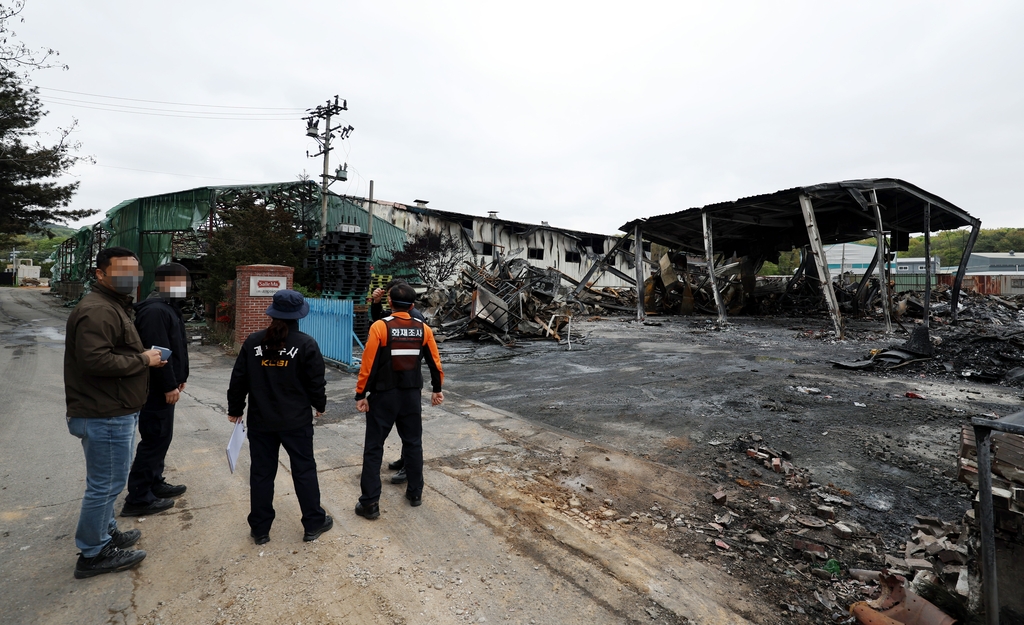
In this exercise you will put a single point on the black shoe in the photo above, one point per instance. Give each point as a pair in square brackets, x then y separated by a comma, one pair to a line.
[311, 536]
[143, 509]
[110, 560]
[397, 464]
[260, 539]
[122, 540]
[370, 512]
[414, 500]
[400, 477]
[165, 490]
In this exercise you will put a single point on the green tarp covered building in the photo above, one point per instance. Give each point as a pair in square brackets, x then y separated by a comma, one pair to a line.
[176, 226]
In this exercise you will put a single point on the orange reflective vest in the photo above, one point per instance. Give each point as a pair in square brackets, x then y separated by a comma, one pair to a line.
[394, 350]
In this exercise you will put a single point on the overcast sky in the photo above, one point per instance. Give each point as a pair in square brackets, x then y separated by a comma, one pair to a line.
[586, 114]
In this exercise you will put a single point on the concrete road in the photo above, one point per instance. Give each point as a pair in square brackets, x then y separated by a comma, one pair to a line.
[518, 523]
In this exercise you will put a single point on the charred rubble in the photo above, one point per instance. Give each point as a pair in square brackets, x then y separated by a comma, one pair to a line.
[843, 572]
[507, 301]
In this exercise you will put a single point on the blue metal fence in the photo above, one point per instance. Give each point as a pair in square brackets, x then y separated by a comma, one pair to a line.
[330, 322]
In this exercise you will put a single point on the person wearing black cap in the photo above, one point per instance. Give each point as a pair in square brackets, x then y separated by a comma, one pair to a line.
[377, 312]
[389, 390]
[281, 372]
[159, 322]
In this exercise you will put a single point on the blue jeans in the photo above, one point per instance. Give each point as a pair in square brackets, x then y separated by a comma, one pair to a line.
[108, 443]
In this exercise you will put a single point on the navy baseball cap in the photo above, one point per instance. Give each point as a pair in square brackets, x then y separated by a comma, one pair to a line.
[288, 304]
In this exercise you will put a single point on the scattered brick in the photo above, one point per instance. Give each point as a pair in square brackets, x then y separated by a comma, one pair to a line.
[842, 531]
[808, 547]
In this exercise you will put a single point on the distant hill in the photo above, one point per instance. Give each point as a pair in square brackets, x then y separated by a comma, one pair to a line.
[38, 247]
[59, 232]
[949, 245]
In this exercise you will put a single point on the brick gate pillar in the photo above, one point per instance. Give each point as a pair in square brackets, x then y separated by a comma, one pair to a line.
[255, 286]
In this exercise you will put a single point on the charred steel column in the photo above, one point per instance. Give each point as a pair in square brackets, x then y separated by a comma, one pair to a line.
[710, 253]
[638, 258]
[954, 301]
[927, 264]
[818, 250]
[883, 282]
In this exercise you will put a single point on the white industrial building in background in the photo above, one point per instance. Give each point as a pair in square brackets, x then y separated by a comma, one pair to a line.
[544, 246]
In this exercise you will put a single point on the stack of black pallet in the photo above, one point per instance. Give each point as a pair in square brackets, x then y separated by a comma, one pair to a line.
[361, 322]
[312, 260]
[345, 265]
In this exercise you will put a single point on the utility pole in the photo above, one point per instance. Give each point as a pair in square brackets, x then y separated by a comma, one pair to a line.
[325, 112]
[369, 212]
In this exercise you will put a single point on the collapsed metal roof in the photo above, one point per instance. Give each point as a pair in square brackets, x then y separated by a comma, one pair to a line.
[763, 225]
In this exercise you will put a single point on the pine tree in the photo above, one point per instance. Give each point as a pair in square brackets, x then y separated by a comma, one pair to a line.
[31, 197]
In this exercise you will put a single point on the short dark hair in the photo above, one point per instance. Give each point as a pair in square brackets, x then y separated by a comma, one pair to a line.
[395, 283]
[170, 270]
[402, 297]
[105, 255]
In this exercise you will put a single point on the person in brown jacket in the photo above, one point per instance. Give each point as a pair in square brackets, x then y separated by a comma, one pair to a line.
[106, 380]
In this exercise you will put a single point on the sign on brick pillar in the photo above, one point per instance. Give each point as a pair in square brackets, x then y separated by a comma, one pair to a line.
[255, 286]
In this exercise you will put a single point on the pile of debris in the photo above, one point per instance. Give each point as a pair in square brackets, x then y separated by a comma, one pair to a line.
[508, 300]
[994, 355]
[850, 567]
[682, 284]
[973, 308]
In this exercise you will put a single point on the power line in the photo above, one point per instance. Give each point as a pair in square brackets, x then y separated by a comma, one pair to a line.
[55, 99]
[167, 173]
[185, 116]
[110, 97]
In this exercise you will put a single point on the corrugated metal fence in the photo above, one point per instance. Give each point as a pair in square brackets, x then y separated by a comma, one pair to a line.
[330, 322]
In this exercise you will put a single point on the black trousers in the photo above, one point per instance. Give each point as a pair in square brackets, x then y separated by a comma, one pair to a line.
[263, 451]
[398, 407]
[156, 427]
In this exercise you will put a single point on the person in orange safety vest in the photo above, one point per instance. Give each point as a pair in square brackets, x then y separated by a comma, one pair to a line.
[389, 391]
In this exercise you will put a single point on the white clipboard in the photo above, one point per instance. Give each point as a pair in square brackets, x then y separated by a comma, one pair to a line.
[235, 444]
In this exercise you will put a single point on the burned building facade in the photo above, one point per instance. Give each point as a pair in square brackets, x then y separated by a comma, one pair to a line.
[542, 246]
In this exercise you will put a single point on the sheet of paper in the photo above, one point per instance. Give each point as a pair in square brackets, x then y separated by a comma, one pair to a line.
[235, 444]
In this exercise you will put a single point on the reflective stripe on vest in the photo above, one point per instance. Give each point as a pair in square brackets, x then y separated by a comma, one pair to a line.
[405, 340]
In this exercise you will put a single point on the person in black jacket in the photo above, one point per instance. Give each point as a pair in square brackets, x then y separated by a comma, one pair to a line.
[281, 371]
[159, 322]
[377, 299]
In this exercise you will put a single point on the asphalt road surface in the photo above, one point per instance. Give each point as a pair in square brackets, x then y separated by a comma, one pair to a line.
[508, 531]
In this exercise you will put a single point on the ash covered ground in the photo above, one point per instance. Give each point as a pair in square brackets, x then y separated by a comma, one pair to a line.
[688, 394]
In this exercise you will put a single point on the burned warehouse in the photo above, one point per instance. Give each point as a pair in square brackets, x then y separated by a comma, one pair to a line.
[736, 238]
